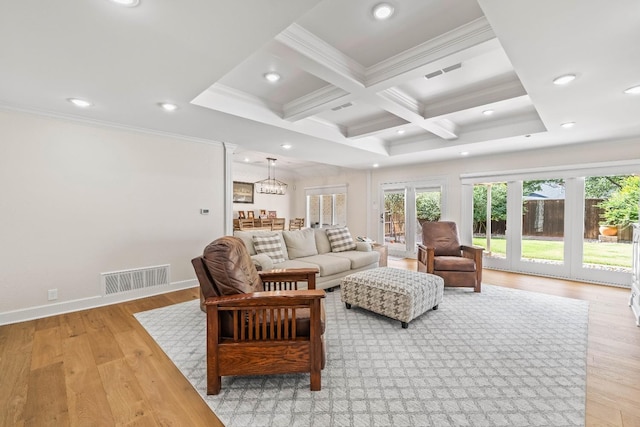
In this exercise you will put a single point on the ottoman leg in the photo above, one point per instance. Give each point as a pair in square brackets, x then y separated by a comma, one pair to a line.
[405, 325]
[346, 304]
[435, 307]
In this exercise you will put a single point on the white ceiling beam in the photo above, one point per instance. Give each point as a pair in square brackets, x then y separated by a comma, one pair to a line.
[409, 64]
[373, 127]
[315, 102]
[507, 87]
[524, 124]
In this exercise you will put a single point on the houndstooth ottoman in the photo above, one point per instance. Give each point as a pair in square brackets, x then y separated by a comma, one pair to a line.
[399, 294]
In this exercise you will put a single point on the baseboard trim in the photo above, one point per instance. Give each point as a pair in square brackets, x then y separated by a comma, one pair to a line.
[39, 312]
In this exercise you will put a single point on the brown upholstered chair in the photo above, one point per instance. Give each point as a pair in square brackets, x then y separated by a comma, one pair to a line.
[258, 322]
[442, 254]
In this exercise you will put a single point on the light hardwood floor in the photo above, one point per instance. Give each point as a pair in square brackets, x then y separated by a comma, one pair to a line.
[100, 367]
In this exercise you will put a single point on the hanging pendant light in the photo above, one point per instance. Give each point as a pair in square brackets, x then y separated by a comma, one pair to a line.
[271, 185]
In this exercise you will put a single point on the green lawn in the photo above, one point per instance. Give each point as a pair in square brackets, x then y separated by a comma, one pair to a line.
[615, 254]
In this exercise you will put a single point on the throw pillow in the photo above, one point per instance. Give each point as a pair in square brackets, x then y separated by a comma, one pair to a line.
[270, 245]
[300, 243]
[340, 239]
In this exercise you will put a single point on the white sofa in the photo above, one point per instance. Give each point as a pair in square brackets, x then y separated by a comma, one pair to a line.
[311, 247]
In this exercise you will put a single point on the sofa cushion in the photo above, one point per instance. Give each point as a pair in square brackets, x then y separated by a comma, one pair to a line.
[358, 259]
[327, 264]
[322, 241]
[340, 239]
[230, 266]
[300, 243]
[270, 245]
[247, 237]
[262, 262]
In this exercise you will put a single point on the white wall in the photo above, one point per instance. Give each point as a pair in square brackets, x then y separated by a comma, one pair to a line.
[269, 202]
[80, 199]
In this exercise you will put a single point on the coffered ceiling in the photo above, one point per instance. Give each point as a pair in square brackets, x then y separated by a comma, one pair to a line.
[437, 80]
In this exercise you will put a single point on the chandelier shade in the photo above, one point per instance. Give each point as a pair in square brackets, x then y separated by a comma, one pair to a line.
[271, 185]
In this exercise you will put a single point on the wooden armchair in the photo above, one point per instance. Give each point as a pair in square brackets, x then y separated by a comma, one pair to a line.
[277, 224]
[258, 323]
[296, 223]
[442, 254]
[243, 224]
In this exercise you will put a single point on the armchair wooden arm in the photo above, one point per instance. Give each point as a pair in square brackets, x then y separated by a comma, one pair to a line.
[475, 253]
[425, 259]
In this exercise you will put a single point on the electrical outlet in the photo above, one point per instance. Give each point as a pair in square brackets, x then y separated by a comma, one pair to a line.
[52, 294]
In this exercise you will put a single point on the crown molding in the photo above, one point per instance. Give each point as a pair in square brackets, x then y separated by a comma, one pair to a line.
[316, 49]
[402, 99]
[314, 102]
[105, 124]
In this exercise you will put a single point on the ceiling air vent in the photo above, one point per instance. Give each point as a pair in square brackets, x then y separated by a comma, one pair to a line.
[340, 107]
[444, 70]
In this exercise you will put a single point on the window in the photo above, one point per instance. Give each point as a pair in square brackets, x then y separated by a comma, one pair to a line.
[326, 206]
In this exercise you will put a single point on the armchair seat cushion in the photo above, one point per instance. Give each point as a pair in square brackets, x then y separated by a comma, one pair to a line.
[453, 263]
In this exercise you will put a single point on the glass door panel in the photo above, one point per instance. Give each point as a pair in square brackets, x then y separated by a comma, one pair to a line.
[543, 212]
[490, 218]
[427, 209]
[611, 203]
[394, 221]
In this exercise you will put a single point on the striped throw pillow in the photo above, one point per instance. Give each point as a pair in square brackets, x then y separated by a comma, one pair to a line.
[340, 239]
[270, 245]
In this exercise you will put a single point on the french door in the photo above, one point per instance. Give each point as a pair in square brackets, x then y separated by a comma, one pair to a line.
[550, 226]
[406, 206]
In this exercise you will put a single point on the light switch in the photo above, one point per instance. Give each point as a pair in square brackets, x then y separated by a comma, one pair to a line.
[204, 211]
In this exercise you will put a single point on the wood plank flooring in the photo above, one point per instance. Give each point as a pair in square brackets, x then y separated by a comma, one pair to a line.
[99, 367]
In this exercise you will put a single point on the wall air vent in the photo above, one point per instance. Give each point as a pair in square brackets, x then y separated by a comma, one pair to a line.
[340, 107]
[116, 282]
[444, 70]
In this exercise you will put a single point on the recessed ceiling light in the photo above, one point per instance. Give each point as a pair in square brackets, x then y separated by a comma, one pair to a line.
[568, 125]
[633, 90]
[563, 80]
[167, 106]
[80, 102]
[488, 112]
[464, 153]
[128, 3]
[286, 146]
[272, 77]
[401, 131]
[375, 165]
[382, 11]
[246, 159]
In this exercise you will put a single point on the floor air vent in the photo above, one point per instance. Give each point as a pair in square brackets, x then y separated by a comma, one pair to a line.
[116, 282]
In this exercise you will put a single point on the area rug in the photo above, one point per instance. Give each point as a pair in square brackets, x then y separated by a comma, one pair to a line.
[503, 357]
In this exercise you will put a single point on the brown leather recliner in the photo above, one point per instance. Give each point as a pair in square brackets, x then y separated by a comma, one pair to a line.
[442, 254]
[258, 322]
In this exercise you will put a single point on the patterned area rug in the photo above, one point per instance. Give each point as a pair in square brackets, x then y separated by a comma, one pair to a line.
[500, 358]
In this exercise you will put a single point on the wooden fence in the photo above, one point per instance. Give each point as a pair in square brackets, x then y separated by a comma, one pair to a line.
[545, 218]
